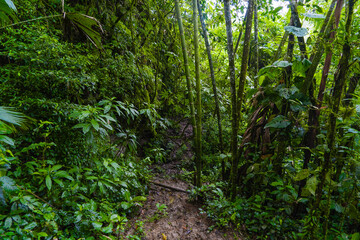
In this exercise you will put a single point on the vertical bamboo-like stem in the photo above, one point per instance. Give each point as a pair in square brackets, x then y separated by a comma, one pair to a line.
[212, 75]
[281, 44]
[340, 77]
[234, 115]
[318, 49]
[313, 123]
[187, 72]
[242, 81]
[256, 42]
[241, 31]
[198, 160]
[245, 57]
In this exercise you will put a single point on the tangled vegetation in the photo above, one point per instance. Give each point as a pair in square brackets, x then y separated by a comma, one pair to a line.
[91, 89]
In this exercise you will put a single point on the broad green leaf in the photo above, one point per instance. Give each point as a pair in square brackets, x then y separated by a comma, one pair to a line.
[63, 174]
[355, 236]
[97, 225]
[304, 173]
[59, 182]
[7, 9]
[276, 10]
[88, 25]
[126, 205]
[30, 226]
[311, 184]
[299, 32]
[95, 124]
[314, 15]
[11, 5]
[108, 229]
[139, 199]
[48, 182]
[301, 66]
[8, 223]
[277, 183]
[42, 234]
[7, 140]
[114, 217]
[278, 122]
[337, 207]
[107, 108]
[56, 167]
[86, 128]
[8, 115]
[8, 184]
[281, 64]
[80, 125]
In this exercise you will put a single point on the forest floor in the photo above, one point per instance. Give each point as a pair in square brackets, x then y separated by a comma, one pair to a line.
[168, 214]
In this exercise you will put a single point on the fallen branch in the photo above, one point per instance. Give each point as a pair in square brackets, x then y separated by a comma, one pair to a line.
[169, 187]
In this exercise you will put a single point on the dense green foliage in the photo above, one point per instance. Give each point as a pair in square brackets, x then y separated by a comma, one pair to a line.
[89, 88]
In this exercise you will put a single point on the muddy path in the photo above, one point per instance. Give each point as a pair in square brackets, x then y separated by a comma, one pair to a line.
[168, 214]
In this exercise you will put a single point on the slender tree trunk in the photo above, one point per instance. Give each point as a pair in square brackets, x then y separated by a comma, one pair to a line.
[256, 42]
[241, 31]
[212, 74]
[234, 121]
[318, 49]
[282, 136]
[281, 44]
[245, 57]
[309, 137]
[187, 72]
[347, 142]
[340, 77]
[328, 58]
[198, 161]
[242, 81]
[297, 23]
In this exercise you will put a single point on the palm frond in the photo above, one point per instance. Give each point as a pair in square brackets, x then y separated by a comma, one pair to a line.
[8, 115]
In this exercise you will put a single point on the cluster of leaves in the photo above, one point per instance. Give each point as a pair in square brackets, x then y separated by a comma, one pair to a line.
[41, 198]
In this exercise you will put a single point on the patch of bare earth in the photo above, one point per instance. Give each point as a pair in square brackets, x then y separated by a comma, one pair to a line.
[181, 219]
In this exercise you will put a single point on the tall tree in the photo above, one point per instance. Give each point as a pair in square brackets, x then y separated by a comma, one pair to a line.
[187, 74]
[234, 113]
[198, 153]
[340, 77]
[256, 42]
[213, 81]
[328, 28]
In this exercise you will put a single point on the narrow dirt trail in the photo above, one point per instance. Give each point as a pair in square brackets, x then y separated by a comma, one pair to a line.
[180, 218]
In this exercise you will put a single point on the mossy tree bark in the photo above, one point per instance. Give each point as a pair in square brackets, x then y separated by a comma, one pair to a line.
[309, 138]
[234, 115]
[198, 153]
[213, 81]
[256, 43]
[187, 73]
[340, 77]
